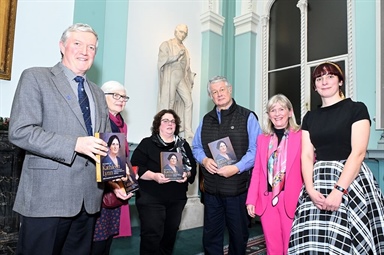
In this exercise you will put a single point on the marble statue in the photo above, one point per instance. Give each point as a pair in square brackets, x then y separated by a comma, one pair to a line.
[176, 79]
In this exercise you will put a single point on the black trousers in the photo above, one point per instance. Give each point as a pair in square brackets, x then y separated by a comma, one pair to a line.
[56, 235]
[102, 247]
[222, 212]
[159, 223]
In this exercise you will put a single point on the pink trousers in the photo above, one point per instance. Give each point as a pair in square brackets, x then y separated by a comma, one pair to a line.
[276, 227]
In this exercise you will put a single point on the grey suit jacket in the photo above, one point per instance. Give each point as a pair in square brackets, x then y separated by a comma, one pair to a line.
[46, 121]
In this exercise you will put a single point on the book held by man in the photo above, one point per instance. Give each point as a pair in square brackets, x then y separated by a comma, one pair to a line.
[113, 165]
[172, 165]
[222, 152]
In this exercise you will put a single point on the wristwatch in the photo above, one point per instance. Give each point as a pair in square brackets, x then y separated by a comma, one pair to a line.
[344, 191]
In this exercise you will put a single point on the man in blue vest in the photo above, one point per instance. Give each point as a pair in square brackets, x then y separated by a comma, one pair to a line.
[225, 188]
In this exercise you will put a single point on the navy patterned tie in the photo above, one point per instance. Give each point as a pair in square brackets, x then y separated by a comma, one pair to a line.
[84, 104]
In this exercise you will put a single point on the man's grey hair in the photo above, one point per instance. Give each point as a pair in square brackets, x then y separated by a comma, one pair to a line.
[78, 27]
[217, 79]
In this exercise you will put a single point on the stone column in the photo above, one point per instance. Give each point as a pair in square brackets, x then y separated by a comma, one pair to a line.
[212, 24]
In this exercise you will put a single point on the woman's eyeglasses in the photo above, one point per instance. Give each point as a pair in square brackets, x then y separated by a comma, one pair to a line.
[118, 96]
[166, 121]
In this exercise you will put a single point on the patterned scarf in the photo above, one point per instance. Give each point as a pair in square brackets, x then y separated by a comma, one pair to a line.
[277, 161]
[179, 146]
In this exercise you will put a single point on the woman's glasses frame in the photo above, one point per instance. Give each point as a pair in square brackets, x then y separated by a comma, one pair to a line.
[117, 96]
[166, 121]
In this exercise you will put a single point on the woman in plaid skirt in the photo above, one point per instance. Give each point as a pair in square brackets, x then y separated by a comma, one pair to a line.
[340, 208]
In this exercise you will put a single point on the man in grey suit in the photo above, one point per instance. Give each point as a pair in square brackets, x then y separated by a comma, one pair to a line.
[58, 195]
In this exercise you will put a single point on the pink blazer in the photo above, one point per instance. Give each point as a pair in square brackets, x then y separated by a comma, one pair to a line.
[258, 189]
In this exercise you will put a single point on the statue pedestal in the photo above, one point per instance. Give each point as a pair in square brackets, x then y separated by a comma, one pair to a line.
[193, 214]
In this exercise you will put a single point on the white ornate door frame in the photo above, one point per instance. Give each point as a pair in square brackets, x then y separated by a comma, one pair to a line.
[380, 66]
[305, 66]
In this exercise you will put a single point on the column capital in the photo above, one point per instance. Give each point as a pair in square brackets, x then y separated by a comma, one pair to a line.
[245, 23]
[211, 21]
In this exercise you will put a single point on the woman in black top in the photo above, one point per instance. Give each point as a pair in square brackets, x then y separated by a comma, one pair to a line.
[160, 201]
[340, 209]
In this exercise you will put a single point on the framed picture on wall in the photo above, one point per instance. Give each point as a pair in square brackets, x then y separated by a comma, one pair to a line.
[7, 30]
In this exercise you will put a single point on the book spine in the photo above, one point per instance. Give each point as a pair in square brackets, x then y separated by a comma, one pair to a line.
[98, 165]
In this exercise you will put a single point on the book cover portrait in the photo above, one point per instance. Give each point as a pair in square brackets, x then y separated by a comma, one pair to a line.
[131, 184]
[113, 165]
[172, 165]
[222, 152]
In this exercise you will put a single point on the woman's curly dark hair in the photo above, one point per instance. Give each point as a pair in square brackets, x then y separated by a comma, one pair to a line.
[157, 121]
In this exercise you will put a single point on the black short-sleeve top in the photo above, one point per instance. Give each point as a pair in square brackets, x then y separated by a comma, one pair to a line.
[330, 128]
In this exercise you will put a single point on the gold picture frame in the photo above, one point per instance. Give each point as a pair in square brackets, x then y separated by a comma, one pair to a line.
[7, 33]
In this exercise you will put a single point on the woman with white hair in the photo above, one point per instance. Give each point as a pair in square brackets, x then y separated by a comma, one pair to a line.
[113, 222]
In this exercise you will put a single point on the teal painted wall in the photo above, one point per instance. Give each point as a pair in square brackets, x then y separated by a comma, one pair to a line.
[245, 66]
[116, 29]
[365, 57]
[94, 15]
[228, 64]
[238, 8]
[110, 21]
[211, 64]
[377, 168]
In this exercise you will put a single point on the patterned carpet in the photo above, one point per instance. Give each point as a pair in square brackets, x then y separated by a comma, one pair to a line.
[256, 246]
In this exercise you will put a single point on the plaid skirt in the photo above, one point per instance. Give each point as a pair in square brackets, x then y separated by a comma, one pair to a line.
[356, 228]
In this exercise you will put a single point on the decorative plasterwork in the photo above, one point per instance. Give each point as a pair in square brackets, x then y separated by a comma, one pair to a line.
[248, 6]
[379, 67]
[350, 63]
[265, 41]
[211, 5]
[246, 23]
[302, 5]
[211, 21]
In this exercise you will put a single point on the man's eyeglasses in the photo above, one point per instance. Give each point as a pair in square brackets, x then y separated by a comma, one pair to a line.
[118, 96]
[166, 121]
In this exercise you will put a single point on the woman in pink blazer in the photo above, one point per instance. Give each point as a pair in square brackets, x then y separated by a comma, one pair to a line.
[276, 177]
